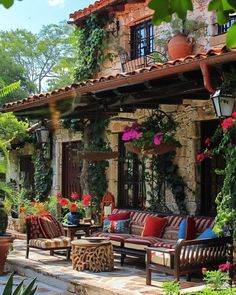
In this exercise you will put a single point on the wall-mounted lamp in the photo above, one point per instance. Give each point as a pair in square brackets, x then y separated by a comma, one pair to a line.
[223, 103]
[42, 135]
[114, 27]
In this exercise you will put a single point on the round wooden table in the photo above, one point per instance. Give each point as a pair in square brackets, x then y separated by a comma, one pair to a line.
[94, 254]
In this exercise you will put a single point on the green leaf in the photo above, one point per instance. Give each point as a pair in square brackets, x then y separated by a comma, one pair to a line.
[232, 3]
[181, 7]
[231, 37]
[28, 290]
[222, 16]
[9, 285]
[7, 3]
[226, 5]
[214, 5]
[162, 9]
[19, 289]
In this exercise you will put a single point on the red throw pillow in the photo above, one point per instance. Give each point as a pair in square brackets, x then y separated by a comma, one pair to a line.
[191, 228]
[119, 216]
[154, 226]
[47, 227]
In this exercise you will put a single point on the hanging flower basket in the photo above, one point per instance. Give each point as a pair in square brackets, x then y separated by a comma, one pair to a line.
[151, 149]
[97, 155]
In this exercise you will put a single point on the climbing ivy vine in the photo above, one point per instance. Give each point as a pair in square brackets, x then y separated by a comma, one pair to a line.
[92, 42]
[42, 174]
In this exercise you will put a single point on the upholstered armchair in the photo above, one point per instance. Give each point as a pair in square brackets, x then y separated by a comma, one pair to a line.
[46, 233]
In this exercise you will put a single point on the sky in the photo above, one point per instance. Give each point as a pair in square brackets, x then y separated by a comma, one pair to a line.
[33, 14]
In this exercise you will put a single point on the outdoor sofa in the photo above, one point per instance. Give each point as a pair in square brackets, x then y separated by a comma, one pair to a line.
[167, 253]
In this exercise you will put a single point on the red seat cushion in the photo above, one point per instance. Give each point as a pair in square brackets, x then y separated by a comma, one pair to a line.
[119, 216]
[154, 226]
[170, 244]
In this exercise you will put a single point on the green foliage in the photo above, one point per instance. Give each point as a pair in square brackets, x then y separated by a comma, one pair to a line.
[216, 279]
[3, 219]
[208, 291]
[9, 88]
[90, 47]
[46, 55]
[165, 172]
[97, 169]
[12, 128]
[43, 174]
[7, 3]
[164, 9]
[171, 288]
[20, 289]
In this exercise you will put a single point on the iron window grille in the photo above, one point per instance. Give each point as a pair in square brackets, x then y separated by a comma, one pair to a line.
[224, 28]
[142, 39]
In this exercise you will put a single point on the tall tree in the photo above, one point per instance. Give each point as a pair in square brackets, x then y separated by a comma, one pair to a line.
[39, 54]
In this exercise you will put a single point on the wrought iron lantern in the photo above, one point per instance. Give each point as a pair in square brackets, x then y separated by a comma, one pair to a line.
[42, 135]
[223, 103]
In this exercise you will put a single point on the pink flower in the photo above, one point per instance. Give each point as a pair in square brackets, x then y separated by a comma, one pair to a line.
[225, 266]
[158, 138]
[74, 196]
[234, 115]
[201, 157]
[227, 123]
[207, 141]
[86, 200]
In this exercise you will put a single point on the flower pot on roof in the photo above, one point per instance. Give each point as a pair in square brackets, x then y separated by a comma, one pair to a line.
[180, 46]
[153, 136]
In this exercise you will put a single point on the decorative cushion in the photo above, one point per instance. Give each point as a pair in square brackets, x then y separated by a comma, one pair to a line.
[136, 229]
[154, 226]
[187, 229]
[60, 229]
[48, 227]
[35, 231]
[171, 233]
[207, 234]
[119, 216]
[116, 226]
[203, 222]
[59, 242]
[191, 228]
[161, 258]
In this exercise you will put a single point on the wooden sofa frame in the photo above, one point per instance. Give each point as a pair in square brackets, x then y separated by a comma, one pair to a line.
[190, 256]
[28, 234]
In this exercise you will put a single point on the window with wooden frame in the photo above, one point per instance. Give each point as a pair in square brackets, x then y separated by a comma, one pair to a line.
[131, 179]
[142, 39]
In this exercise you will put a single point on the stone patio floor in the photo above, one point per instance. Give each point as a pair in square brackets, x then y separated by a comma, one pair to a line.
[56, 276]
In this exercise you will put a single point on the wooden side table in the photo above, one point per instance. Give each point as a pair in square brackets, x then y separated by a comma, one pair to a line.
[70, 230]
[95, 255]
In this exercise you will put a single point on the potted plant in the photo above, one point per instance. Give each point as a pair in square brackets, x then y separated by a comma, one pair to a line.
[180, 39]
[75, 208]
[5, 239]
[155, 135]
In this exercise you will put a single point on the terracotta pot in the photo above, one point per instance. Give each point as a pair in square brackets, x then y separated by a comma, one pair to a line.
[5, 241]
[180, 46]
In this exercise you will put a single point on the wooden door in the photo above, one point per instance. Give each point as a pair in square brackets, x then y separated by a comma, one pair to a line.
[71, 168]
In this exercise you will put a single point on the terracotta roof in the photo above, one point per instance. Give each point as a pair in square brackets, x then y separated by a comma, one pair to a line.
[95, 7]
[189, 63]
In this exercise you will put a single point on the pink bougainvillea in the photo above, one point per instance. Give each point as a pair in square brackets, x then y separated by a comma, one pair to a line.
[74, 196]
[157, 139]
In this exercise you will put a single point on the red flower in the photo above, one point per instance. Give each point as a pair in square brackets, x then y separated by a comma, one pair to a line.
[73, 207]
[234, 115]
[201, 157]
[74, 196]
[22, 209]
[204, 270]
[207, 141]
[63, 202]
[225, 266]
[227, 123]
[86, 200]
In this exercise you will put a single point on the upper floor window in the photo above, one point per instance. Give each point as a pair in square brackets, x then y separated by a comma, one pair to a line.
[224, 28]
[142, 39]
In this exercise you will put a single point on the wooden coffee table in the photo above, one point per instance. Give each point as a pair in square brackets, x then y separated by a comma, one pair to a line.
[94, 254]
[88, 228]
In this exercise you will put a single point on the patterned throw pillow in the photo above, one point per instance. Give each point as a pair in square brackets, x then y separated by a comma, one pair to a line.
[116, 226]
[48, 227]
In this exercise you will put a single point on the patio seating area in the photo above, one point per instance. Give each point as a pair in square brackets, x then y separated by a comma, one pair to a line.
[57, 272]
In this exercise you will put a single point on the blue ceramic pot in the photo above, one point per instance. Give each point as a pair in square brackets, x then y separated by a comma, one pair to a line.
[73, 218]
